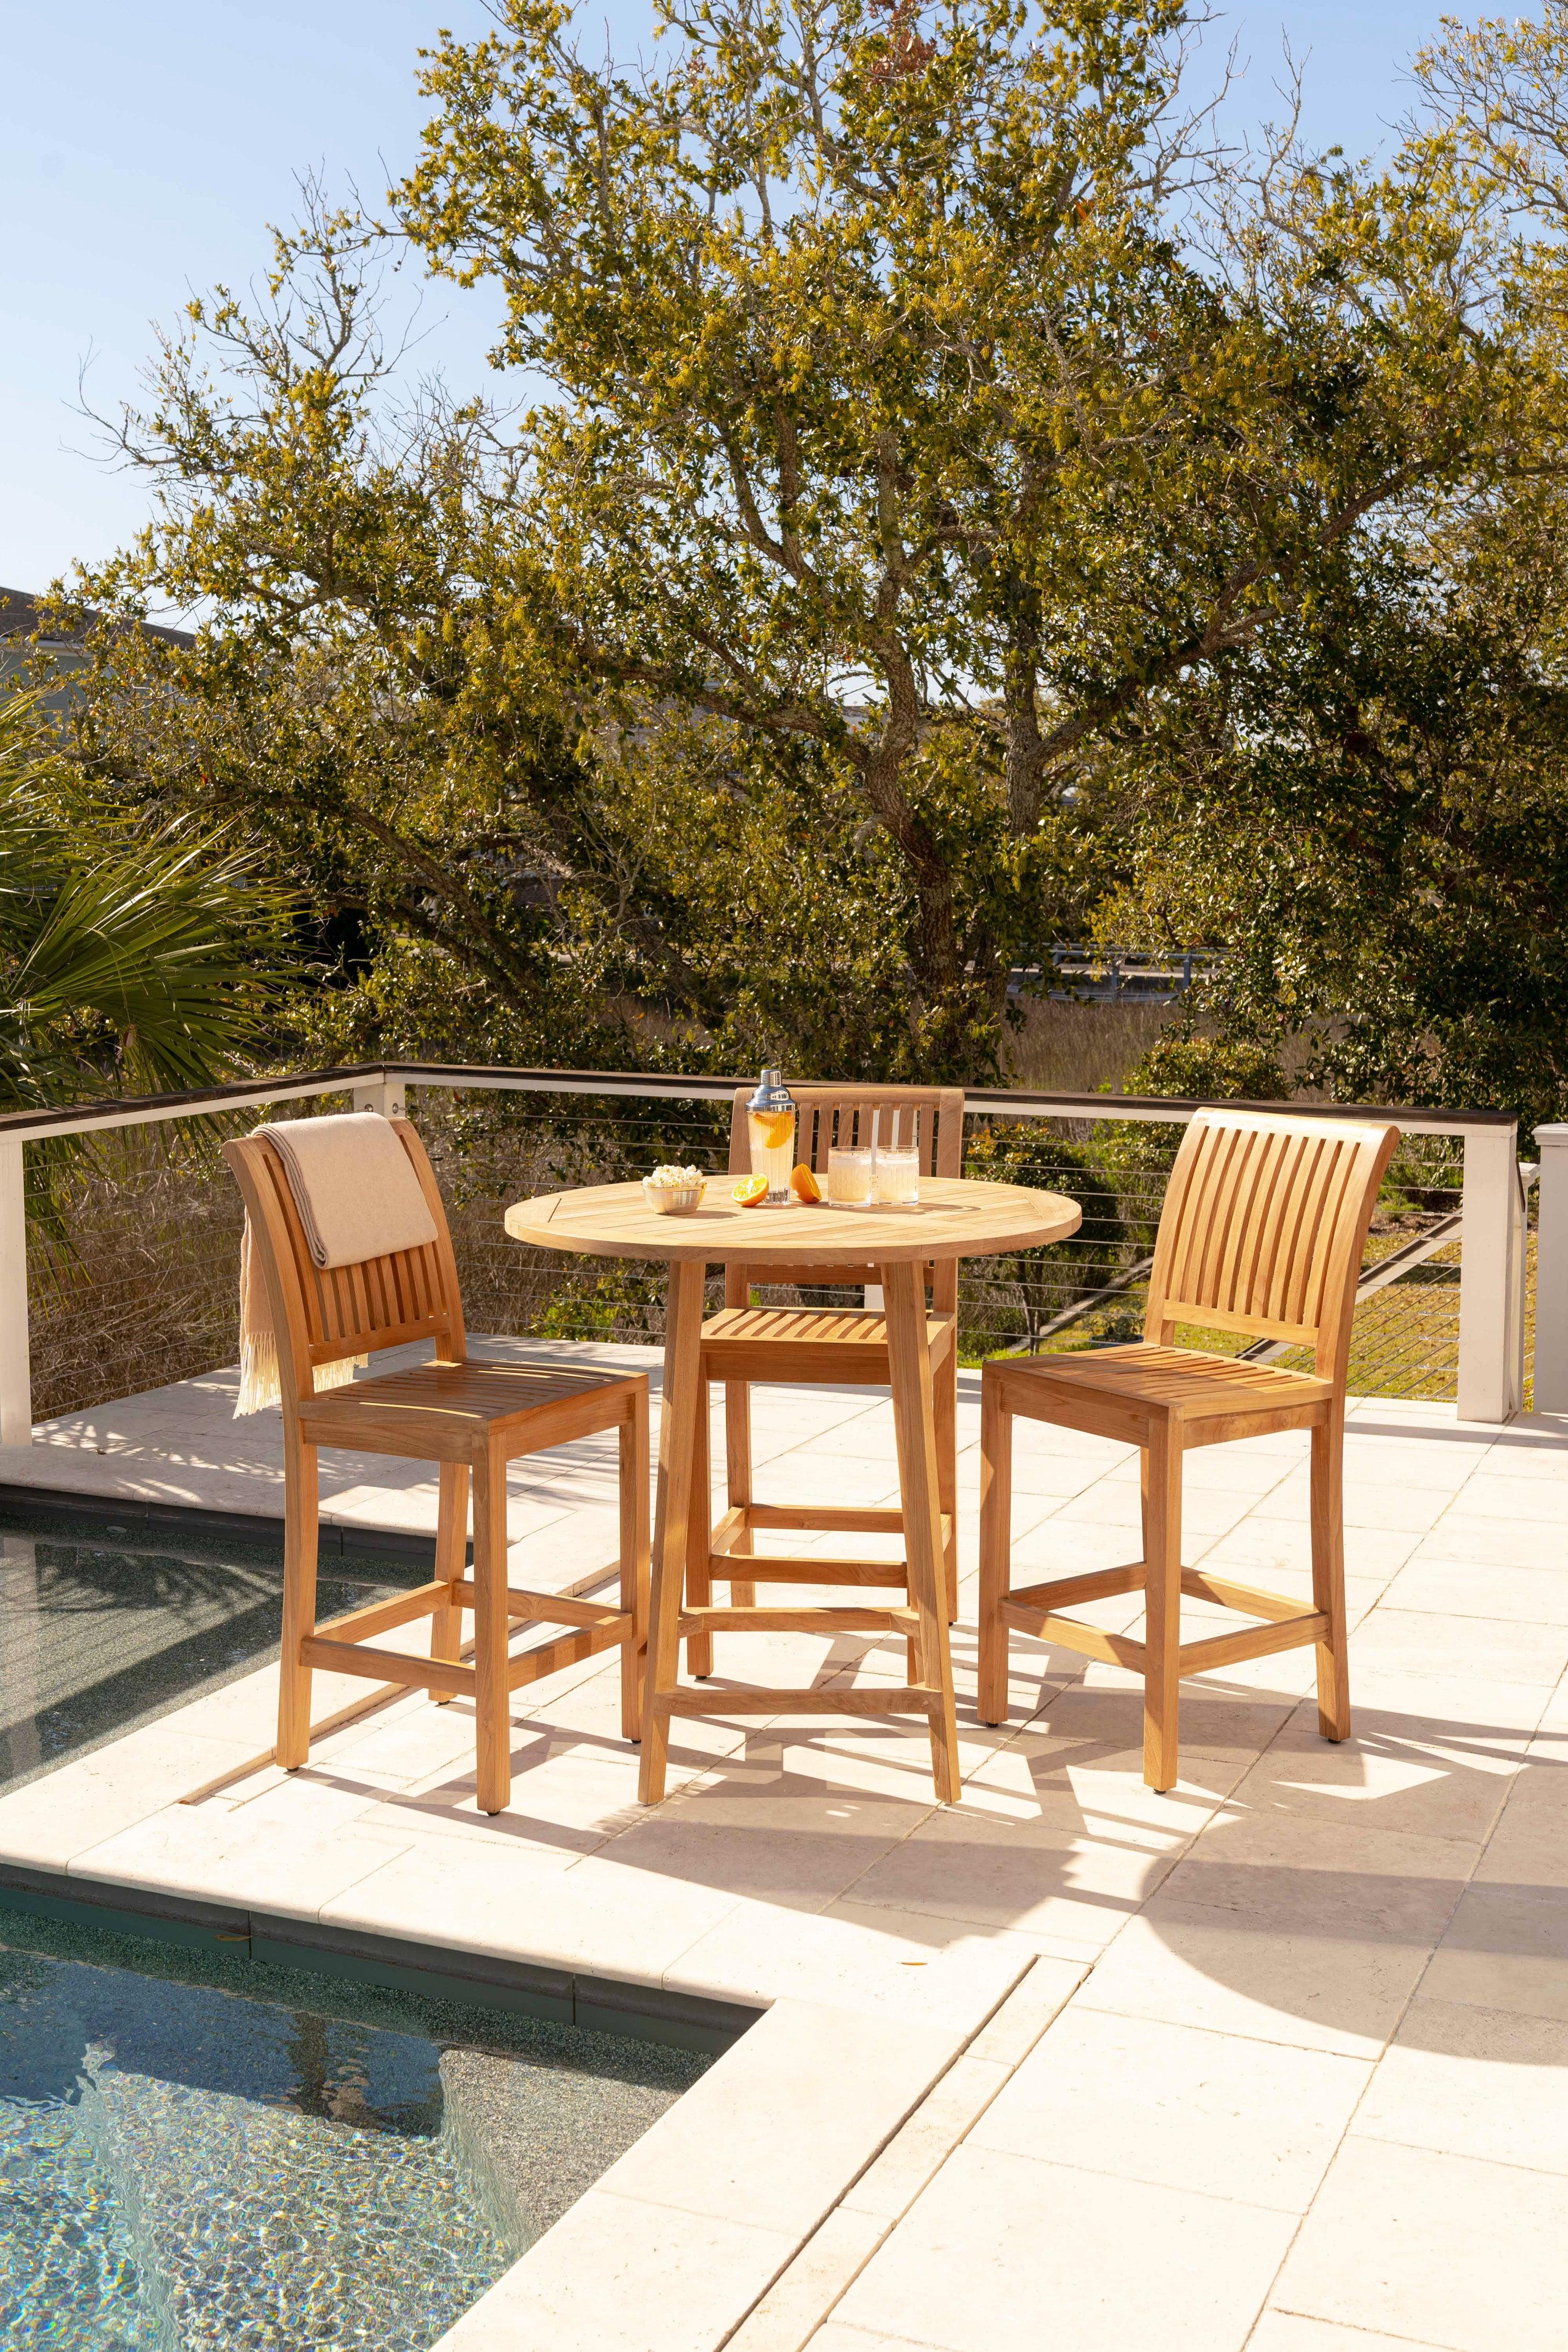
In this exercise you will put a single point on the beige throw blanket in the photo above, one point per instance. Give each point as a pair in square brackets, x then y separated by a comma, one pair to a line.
[358, 1197]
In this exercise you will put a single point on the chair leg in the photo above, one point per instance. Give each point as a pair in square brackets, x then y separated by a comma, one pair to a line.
[700, 1537]
[301, 1534]
[945, 1407]
[1162, 1472]
[451, 1558]
[634, 1490]
[996, 1545]
[493, 1699]
[738, 1477]
[1329, 1574]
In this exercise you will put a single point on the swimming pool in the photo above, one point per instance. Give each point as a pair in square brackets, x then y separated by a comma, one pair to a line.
[103, 1627]
[200, 2151]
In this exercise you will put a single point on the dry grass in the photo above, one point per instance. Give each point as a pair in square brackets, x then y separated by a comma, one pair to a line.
[1076, 1049]
[137, 1285]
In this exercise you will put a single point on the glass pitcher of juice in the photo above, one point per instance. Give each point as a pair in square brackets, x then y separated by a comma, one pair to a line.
[770, 1129]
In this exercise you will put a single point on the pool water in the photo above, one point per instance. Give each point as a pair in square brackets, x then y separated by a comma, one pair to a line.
[102, 1629]
[273, 2162]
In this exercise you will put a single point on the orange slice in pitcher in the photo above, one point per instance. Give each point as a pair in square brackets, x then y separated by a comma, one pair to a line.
[776, 1125]
[803, 1184]
[749, 1191]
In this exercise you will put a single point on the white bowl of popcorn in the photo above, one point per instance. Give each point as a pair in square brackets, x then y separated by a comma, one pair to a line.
[672, 1192]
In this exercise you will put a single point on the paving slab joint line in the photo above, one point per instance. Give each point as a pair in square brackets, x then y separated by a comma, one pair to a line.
[835, 2293]
[1268, 2303]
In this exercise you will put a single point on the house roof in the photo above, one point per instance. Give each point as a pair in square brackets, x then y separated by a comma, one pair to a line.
[19, 618]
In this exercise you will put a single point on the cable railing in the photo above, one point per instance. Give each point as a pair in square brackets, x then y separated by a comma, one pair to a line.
[120, 1225]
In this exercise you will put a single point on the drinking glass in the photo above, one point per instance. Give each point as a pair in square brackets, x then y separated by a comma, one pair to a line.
[898, 1179]
[848, 1179]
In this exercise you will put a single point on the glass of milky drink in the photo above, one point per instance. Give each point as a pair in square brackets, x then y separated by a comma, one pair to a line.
[770, 1130]
[898, 1179]
[849, 1178]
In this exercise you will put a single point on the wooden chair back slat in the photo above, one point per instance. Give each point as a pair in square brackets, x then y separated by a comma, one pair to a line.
[1259, 1238]
[1251, 1197]
[1264, 1220]
[1283, 1236]
[843, 1116]
[321, 1315]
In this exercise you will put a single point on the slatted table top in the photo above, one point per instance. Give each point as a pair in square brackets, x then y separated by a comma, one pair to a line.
[956, 1217]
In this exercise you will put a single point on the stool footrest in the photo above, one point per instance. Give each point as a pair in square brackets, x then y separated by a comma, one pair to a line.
[1061, 1592]
[1243, 1597]
[896, 1698]
[800, 1568]
[1288, 1627]
[1086, 1640]
[546, 1608]
[385, 1665]
[799, 1621]
[821, 1519]
[380, 1616]
[747, 1518]
[567, 1650]
[1252, 1642]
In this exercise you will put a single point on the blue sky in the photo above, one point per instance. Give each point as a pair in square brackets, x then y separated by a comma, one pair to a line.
[147, 150]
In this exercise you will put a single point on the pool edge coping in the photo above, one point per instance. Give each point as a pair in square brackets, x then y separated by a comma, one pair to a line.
[595, 2003]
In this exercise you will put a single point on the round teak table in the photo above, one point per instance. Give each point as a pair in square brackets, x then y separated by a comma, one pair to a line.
[956, 1218]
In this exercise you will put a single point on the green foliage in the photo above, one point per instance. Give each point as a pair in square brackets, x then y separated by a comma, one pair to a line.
[617, 1302]
[128, 967]
[1207, 1069]
[874, 353]
[1008, 1300]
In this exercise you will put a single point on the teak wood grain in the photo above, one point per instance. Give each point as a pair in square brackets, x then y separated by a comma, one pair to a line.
[472, 1419]
[956, 1217]
[908, 1346]
[1262, 1231]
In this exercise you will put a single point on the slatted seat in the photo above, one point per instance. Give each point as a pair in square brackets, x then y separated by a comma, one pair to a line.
[437, 1413]
[1199, 1386]
[737, 1343]
[1262, 1232]
[472, 1418]
[820, 1347]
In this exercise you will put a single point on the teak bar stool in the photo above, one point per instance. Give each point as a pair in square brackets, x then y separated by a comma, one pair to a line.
[814, 1346]
[1262, 1232]
[470, 1417]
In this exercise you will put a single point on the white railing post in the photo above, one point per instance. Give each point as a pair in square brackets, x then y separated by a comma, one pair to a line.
[1491, 1267]
[1551, 1272]
[15, 1367]
[388, 1095]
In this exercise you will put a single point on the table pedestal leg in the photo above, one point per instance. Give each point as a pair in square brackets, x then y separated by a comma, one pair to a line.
[914, 1421]
[676, 1449]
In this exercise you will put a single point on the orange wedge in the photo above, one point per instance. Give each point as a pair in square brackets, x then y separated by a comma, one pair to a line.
[803, 1184]
[749, 1191]
[776, 1127]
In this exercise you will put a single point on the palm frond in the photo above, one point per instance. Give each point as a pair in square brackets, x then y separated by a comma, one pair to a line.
[145, 965]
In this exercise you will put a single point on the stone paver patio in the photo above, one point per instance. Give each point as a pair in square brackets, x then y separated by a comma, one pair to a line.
[1277, 2061]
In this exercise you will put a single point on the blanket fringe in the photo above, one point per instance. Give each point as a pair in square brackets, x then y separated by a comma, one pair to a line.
[259, 1385]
